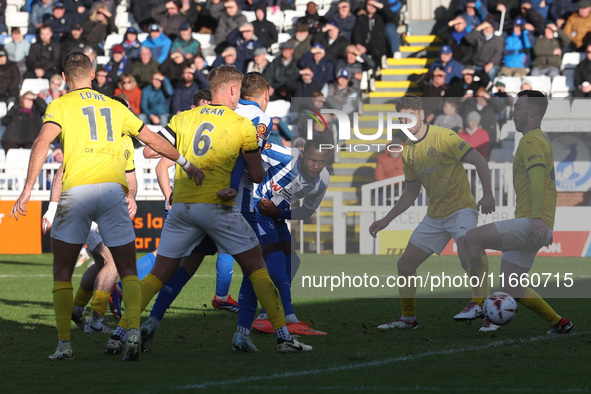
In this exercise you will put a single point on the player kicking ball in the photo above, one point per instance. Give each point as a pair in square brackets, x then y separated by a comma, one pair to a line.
[520, 239]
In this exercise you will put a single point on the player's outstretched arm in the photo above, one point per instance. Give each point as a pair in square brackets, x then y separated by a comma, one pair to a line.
[487, 203]
[54, 197]
[408, 196]
[48, 133]
[163, 179]
[254, 163]
[132, 187]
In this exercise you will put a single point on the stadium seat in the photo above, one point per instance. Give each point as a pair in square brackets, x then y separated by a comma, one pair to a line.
[250, 16]
[123, 21]
[290, 18]
[279, 108]
[282, 37]
[507, 131]
[206, 42]
[102, 60]
[560, 87]
[3, 109]
[276, 19]
[571, 60]
[580, 109]
[17, 162]
[112, 40]
[542, 83]
[558, 108]
[142, 37]
[512, 84]
[18, 19]
[34, 85]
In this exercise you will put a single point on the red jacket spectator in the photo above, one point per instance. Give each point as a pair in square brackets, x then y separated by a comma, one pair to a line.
[477, 138]
[390, 161]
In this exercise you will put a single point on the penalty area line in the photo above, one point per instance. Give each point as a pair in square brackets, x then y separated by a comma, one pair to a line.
[376, 363]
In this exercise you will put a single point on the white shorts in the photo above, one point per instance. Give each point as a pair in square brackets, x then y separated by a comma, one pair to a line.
[94, 237]
[432, 235]
[103, 203]
[520, 243]
[187, 224]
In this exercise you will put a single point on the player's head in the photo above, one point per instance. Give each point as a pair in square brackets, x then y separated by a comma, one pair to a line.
[314, 158]
[201, 98]
[411, 104]
[529, 109]
[224, 84]
[255, 87]
[77, 68]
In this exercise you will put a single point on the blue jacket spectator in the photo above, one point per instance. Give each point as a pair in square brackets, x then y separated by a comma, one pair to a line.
[453, 68]
[131, 45]
[244, 41]
[155, 100]
[39, 11]
[321, 65]
[340, 14]
[158, 43]
[475, 13]
[517, 47]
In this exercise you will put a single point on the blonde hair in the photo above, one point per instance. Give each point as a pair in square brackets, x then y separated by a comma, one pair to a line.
[222, 75]
[131, 77]
[93, 15]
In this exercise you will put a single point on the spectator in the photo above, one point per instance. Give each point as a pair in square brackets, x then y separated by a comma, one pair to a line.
[118, 64]
[173, 67]
[73, 42]
[18, 50]
[101, 82]
[244, 41]
[281, 70]
[131, 44]
[141, 11]
[158, 43]
[155, 100]
[489, 48]
[583, 75]
[369, 33]
[260, 62]
[302, 84]
[265, 31]
[560, 10]
[167, 15]
[3, 28]
[432, 84]
[525, 85]
[516, 56]
[356, 63]
[453, 68]
[282, 5]
[44, 55]
[57, 88]
[184, 91]
[510, 7]
[229, 18]
[334, 44]
[40, 11]
[23, 122]
[129, 87]
[228, 57]
[143, 69]
[454, 35]
[478, 138]
[340, 94]
[340, 14]
[78, 9]
[534, 21]
[201, 67]
[97, 27]
[302, 41]
[311, 19]
[186, 42]
[60, 22]
[390, 12]
[10, 79]
[474, 15]
[322, 66]
[547, 51]
[280, 133]
[473, 79]
[578, 25]
[503, 116]
[450, 119]
[487, 107]
[250, 5]
[91, 53]
[389, 162]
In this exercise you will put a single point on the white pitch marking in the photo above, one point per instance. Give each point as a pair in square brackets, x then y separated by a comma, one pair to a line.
[376, 363]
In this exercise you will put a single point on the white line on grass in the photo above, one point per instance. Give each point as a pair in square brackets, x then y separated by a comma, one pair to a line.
[376, 363]
[421, 388]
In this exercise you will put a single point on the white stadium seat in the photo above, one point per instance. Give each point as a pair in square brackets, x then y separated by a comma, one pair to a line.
[512, 84]
[541, 83]
[112, 40]
[34, 85]
[571, 59]
[278, 108]
[558, 108]
[560, 87]
[250, 16]
[276, 18]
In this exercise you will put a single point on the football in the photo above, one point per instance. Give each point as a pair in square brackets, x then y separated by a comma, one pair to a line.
[500, 308]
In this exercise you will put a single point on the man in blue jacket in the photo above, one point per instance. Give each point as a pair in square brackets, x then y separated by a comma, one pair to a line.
[453, 68]
[155, 100]
[158, 43]
[516, 56]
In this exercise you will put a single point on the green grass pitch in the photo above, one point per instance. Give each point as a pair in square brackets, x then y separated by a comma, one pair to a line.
[192, 349]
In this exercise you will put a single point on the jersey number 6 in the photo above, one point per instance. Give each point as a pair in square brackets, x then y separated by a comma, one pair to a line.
[202, 141]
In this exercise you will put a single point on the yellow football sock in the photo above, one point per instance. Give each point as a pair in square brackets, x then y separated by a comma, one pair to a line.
[149, 286]
[408, 300]
[82, 297]
[268, 296]
[63, 304]
[100, 301]
[536, 304]
[479, 268]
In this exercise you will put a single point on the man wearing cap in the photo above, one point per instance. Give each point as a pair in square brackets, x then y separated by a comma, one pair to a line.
[185, 41]
[334, 44]
[10, 79]
[311, 19]
[229, 17]
[131, 44]
[369, 34]
[259, 63]
[264, 30]
[579, 24]
[489, 48]
[547, 51]
[340, 94]
[174, 65]
[18, 49]
[74, 41]
[321, 65]
[245, 42]
[169, 18]
[44, 55]
[118, 64]
[60, 22]
[158, 43]
[143, 69]
[453, 68]
[302, 41]
[39, 12]
[281, 69]
[516, 57]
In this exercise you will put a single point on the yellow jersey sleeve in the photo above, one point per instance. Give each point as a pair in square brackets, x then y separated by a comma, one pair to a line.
[128, 154]
[454, 145]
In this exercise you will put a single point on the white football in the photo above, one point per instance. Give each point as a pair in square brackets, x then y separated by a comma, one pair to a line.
[500, 308]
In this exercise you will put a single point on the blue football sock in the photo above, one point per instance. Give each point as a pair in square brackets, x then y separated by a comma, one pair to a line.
[276, 264]
[293, 263]
[247, 303]
[169, 292]
[145, 264]
[224, 270]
